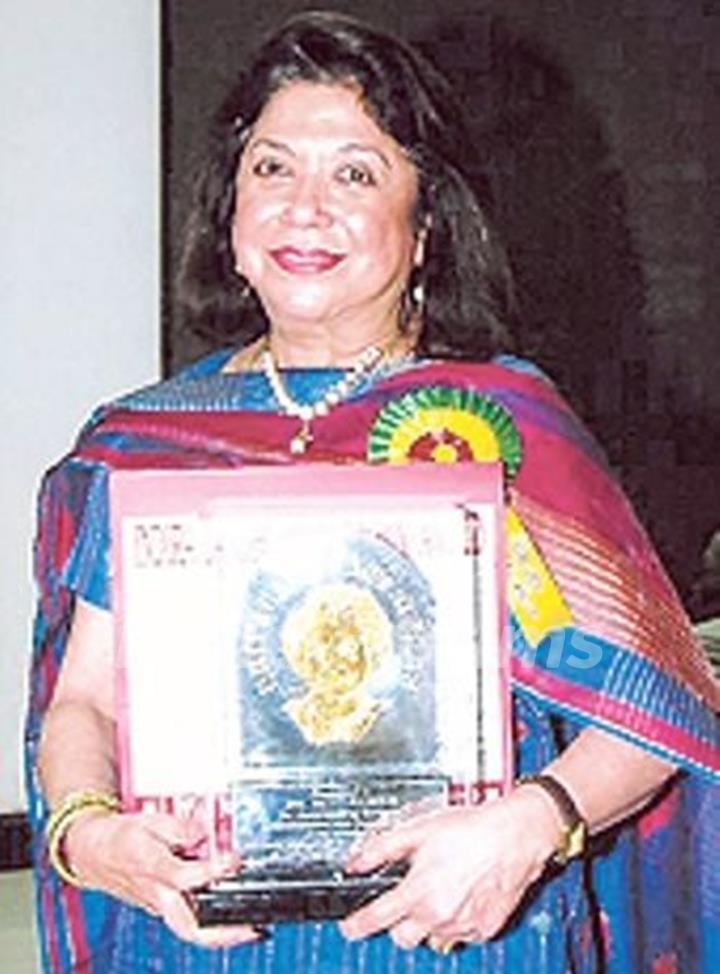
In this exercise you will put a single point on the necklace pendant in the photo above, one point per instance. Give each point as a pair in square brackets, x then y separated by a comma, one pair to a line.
[302, 439]
[308, 412]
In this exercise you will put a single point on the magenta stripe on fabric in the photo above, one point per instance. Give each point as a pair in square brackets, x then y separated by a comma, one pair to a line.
[622, 716]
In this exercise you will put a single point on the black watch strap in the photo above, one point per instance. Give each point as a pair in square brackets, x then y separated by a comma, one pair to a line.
[574, 839]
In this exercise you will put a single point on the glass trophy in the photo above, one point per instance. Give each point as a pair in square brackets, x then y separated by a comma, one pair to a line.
[305, 654]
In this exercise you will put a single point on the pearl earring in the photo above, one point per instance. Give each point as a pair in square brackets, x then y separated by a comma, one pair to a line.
[245, 286]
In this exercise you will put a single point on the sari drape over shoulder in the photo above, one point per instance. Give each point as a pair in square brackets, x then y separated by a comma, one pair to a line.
[598, 638]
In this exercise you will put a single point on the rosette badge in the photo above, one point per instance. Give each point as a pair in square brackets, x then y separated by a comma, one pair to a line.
[445, 424]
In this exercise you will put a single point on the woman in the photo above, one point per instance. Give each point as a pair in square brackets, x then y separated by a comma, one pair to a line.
[336, 234]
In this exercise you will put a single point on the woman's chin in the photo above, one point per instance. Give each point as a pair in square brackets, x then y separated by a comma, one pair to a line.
[305, 309]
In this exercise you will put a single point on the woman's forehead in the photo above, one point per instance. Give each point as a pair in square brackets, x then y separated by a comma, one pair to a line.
[305, 110]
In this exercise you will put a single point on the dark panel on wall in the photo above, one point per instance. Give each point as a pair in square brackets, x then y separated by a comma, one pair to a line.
[594, 118]
[15, 841]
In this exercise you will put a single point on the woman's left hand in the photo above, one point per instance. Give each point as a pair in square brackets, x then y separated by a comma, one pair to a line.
[469, 869]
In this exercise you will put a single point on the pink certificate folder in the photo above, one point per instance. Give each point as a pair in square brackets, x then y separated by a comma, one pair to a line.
[304, 650]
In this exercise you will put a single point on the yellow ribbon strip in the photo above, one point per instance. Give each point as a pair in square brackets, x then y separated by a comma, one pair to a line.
[533, 596]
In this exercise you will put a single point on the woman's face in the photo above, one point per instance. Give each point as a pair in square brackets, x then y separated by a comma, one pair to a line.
[323, 218]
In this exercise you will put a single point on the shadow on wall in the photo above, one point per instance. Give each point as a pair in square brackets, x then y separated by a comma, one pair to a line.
[561, 206]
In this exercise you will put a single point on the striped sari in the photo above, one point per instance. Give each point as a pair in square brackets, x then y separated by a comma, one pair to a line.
[603, 641]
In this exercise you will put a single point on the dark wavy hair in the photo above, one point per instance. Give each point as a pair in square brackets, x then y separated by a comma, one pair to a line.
[465, 275]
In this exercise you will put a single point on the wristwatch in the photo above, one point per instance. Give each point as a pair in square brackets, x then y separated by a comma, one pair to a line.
[574, 838]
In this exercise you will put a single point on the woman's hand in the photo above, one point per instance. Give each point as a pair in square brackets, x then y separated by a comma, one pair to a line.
[470, 867]
[139, 858]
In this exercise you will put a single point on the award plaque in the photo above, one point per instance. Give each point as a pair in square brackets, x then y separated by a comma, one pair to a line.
[305, 653]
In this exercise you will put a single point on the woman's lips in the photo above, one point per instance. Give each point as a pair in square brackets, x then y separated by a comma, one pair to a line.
[311, 261]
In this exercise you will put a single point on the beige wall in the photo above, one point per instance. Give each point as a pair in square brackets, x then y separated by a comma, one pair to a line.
[79, 267]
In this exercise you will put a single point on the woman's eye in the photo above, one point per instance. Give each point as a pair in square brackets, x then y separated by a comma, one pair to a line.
[270, 167]
[353, 174]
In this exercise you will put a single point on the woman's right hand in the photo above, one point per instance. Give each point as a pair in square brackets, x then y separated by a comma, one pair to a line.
[145, 859]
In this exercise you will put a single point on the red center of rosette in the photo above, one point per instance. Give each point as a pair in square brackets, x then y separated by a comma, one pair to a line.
[440, 445]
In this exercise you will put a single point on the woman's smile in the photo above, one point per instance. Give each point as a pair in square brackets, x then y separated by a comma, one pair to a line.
[312, 260]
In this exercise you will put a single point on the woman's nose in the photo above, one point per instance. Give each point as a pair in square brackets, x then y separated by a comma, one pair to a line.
[307, 203]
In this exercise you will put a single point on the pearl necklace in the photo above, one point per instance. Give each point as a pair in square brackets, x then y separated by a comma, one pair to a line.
[307, 413]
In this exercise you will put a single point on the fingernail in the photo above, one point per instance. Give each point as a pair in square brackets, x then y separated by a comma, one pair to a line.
[347, 929]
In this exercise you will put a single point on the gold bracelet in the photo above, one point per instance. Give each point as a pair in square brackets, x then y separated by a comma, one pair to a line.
[72, 807]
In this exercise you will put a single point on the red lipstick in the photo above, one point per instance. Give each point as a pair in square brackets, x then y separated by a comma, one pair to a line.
[314, 260]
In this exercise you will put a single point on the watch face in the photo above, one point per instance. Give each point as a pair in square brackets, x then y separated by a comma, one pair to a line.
[576, 839]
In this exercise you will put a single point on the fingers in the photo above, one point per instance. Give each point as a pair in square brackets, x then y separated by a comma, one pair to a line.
[168, 900]
[389, 912]
[177, 833]
[134, 857]
[389, 845]
[381, 914]
[184, 875]
[147, 848]
[412, 914]
[469, 871]
[408, 933]
[177, 914]
[419, 905]
[411, 920]
[416, 911]
[490, 913]
[165, 878]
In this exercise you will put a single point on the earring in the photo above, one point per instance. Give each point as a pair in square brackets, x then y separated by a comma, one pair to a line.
[417, 295]
[245, 286]
[416, 290]
[413, 300]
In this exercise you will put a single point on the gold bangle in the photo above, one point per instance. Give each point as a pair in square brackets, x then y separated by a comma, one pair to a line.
[72, 807]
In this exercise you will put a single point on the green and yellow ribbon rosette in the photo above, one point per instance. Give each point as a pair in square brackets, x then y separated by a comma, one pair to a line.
[447, 424]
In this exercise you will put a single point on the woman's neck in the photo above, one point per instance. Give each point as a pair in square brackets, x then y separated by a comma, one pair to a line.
[323, 348]
[336, 354]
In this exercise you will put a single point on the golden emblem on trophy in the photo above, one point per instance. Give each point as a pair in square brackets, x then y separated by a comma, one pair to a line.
[336, 641]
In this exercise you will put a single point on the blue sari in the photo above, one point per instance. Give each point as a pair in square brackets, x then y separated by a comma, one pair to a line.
[645, 900]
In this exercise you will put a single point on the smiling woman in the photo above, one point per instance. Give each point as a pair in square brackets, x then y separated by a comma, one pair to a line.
[323, 224]
[400, 167]
[338, 243]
